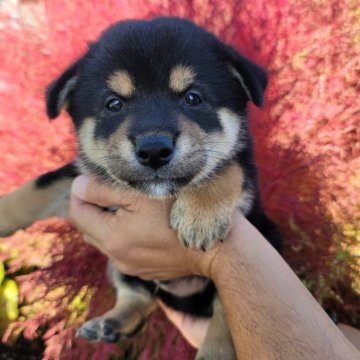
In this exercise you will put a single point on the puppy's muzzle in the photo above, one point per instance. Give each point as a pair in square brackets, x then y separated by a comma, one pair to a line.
[154, 151]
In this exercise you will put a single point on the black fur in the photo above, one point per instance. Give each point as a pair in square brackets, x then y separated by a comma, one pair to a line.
[198, 304]
[255, 78]
[67, 171]
[148, 50]
[53, 101]
[166, 41]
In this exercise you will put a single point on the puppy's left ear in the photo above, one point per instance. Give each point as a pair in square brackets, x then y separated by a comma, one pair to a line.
[251, 77]
[59, 91]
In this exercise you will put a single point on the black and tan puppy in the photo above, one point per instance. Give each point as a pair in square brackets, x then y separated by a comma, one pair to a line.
[159, 106]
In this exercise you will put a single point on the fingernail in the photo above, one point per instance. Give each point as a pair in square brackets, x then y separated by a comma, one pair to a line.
[79, 186]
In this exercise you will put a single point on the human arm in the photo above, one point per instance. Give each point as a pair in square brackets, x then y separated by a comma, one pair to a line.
[269, 311]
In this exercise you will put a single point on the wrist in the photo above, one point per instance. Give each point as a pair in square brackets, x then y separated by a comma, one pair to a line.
[214, 261]
[201, 263]
[238, 251]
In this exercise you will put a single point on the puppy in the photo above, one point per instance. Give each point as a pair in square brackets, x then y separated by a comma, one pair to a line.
[159, 107]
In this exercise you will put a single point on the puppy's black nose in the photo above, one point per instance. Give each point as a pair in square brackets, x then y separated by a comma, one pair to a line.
[154, 151]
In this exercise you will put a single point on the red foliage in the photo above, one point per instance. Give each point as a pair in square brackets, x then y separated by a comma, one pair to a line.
[307, 146]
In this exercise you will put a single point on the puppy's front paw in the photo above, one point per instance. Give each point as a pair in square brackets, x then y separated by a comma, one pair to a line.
[199, 229]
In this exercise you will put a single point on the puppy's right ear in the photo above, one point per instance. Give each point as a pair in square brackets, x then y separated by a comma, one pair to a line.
[59, 91]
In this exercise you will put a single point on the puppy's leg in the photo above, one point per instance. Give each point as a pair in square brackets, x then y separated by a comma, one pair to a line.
[46, 196]
[135, 300]
[202, 215]
[218, 343]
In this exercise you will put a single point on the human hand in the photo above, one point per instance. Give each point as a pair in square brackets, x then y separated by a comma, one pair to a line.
[137, 237]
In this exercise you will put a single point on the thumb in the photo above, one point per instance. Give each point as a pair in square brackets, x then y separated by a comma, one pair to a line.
[192, 329]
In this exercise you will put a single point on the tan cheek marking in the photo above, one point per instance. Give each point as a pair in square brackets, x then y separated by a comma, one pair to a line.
[220, 145]
[94, 149]
[181, 77]
[191, 138]
[120, 143]
[231, 124]
[122, 83]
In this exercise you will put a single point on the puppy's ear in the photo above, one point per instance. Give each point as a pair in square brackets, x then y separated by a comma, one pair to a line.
[59, 91]
[251, 77]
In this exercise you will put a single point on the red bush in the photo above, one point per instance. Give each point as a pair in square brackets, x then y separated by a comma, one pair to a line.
[307, 148]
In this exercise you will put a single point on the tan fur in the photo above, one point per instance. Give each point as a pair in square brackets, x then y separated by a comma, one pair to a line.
[132, 309]
[119, 143]
[207, 150]
[218, 343]
[231, 124]
[102, 152]
[191, 138]
[94, 149]
[122, 83]
[245, 202]
[133, 306]
[220, 145]
[181, 77]
[29, 203]
[201, 215]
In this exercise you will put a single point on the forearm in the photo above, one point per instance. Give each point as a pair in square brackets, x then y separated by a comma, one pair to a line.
[270, 313]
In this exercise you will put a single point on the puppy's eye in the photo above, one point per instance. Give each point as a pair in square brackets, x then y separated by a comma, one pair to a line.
[114, 104]
[192, 99]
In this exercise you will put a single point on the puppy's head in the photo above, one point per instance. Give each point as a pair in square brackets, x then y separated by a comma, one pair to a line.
[158, 104]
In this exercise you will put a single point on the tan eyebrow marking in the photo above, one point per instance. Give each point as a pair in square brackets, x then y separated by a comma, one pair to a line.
[122, 83]
[181, 77]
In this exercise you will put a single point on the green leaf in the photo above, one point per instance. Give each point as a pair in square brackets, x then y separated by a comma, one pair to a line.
[2, 272]
[9, 299]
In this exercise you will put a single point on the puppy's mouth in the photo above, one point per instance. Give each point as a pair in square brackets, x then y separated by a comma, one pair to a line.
[159, 186]
[163, 182]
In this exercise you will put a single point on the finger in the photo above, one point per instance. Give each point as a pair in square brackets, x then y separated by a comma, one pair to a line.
[87, 218]
[175, 317]
[89, 189]
[193, 329]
